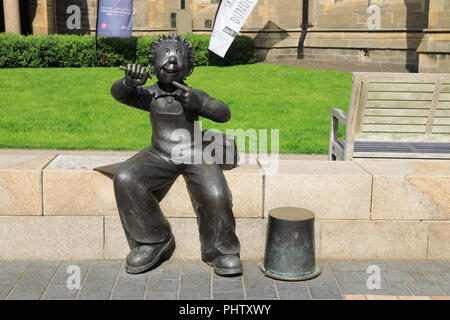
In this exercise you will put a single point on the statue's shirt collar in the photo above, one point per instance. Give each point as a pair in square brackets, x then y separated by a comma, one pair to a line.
[158, 92]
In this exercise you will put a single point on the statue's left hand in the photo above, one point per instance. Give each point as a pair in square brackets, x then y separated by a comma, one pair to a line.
[189, 98]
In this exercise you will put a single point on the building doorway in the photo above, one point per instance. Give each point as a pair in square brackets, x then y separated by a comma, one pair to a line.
[2, 17]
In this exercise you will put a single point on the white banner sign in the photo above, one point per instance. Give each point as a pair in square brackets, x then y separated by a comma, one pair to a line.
[230, 18]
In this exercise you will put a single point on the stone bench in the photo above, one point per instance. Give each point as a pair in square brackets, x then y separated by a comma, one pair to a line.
[56, 207]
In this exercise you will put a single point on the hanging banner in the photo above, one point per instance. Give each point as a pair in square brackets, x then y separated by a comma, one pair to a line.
[230, 18]
[115, 18]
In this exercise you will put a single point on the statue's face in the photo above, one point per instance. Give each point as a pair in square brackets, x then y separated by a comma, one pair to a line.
[170, 63]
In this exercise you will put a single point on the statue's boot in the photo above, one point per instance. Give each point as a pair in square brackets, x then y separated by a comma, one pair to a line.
[227, 265]
[144, 257]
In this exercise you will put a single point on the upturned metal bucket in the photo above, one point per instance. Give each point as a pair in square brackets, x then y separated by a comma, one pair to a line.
[290, 251]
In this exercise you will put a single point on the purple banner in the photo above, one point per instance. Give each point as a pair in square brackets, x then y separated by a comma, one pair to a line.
[115, 18]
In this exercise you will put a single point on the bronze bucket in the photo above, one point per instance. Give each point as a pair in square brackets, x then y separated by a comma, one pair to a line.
[290, 250]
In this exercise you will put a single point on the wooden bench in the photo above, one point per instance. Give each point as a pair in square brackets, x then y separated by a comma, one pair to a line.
[394, 115]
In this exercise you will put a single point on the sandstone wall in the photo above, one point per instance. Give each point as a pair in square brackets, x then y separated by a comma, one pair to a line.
[374, 32]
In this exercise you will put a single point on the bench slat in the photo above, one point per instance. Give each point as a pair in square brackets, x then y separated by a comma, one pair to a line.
[445, 88]
[396, 112]
[395, 120]
[444, 96]
[398, 104]
[377, 86]
[441, 129]
[443, 105]
[403, 137]
[374, 128]
[441, 121]
[414, 96]
[442, 113]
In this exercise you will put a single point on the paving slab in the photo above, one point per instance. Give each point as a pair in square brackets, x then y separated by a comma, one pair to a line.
[427, 277]
[292, 290]
[195, 286]
[326, 293]
[445, 288]
[228, 285]
[4, 290]
[397, 289]
[424, 289]
[163, 285]
[15, 267]
[94, 295]
[260, 291]
[8, 279]
[161, 295]
[229, 295]
[168, 270]
[325, 279]
[60, 291]
[397, 276]
[108, 280]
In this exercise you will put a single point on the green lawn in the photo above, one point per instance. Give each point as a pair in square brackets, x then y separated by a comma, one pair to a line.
[73, 108]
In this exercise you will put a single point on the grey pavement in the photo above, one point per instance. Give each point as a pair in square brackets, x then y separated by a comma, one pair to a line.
[194, 280]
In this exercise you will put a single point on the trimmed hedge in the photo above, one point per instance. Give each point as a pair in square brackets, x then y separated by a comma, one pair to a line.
[78, 51]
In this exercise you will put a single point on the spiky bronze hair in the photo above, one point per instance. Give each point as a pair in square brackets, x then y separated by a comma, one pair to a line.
[172, 38]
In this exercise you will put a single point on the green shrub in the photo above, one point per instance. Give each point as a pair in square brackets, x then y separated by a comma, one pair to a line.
[78, 51]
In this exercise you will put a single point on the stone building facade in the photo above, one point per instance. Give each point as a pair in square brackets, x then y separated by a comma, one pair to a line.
[411, 33]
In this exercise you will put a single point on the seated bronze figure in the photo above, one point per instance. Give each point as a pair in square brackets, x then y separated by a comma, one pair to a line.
[142, 181]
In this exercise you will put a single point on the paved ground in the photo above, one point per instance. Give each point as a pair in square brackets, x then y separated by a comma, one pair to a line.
[107, 279]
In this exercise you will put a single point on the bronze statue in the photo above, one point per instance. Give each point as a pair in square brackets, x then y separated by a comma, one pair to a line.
[142, 181]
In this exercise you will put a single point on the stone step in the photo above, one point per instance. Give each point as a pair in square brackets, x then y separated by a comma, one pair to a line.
[95, 237]
[55, 207]
[71, 187]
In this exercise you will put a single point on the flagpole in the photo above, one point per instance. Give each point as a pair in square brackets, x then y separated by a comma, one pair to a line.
[96, 31]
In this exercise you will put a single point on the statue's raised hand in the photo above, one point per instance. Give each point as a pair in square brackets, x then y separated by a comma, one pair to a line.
[135, 75]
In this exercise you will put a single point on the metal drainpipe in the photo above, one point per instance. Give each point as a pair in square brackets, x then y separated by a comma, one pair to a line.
[305, 24]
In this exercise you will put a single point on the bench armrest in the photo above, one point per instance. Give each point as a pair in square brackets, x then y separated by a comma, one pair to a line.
[340, 115]
[337, 116]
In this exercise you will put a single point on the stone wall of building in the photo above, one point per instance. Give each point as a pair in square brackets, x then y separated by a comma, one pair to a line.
[434, 50]
[411, 33]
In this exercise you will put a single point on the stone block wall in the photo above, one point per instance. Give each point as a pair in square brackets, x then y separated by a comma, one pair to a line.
[410, 32]
[55, 207]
